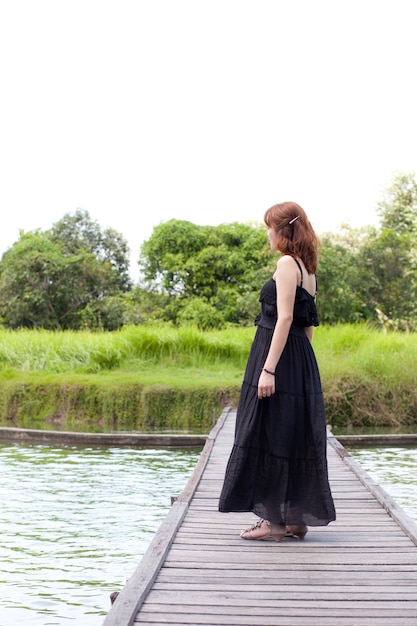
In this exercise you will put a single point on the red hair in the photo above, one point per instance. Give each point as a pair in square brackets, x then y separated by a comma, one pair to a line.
[295, 234]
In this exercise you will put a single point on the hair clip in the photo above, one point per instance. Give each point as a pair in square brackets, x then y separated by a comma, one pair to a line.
[293, 220]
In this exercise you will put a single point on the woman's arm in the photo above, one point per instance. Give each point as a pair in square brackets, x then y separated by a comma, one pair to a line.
[286, 276]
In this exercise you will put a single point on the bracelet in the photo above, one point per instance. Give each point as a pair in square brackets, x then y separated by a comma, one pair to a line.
[269, 371]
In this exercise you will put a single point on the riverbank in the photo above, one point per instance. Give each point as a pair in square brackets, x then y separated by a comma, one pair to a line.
[156, 378]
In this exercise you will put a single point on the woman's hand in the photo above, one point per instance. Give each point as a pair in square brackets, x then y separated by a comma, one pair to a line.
[266, 385]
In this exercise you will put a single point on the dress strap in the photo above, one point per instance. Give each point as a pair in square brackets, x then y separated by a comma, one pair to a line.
[301, 271]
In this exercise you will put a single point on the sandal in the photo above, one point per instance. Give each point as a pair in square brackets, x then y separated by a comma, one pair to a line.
[298, 532]
[263, 529]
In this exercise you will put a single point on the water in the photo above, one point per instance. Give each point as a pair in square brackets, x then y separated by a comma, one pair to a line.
[75, 523]
[395, 469]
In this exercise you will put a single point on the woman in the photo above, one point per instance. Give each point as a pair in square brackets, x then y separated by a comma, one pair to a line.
[278, 466]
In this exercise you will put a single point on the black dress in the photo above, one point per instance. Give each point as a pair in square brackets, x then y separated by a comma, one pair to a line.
[278, 465]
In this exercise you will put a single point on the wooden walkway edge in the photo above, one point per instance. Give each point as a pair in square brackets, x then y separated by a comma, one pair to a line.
[359, 571]
[131, 440]
[134, 592]
[177, 440]
[387, 502]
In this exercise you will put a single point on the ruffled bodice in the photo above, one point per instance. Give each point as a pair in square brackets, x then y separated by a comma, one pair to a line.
[305, 310]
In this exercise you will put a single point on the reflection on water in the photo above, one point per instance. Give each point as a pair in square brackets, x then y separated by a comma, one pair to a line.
[75, 523]
[395, 469]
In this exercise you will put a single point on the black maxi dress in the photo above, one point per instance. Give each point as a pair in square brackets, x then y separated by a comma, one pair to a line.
[278, 467]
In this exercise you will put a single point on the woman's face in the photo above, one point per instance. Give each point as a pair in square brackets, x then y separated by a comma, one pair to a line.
[272, 236]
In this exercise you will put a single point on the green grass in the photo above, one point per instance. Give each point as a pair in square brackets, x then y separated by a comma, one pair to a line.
[369, 377]
[133, 349]
[135, 376]
[356, 350]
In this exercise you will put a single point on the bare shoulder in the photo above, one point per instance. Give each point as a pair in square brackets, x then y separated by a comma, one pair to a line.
[285, 259]
[286, 264]
[286, 272]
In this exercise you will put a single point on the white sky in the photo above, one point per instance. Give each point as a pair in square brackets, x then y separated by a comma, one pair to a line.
[204, 110]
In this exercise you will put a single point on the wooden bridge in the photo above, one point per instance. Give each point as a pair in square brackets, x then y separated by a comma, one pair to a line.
[359, 571]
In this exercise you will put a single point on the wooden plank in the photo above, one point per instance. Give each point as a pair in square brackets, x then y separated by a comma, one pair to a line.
[181, 619]
[389, 504]
[135, 591]
[280, 607]
[369, 441]
[359, 571]
[130, 440]
[138, 585]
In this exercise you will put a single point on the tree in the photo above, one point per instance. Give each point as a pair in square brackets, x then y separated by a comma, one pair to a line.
[41, 287]
[79, 234]
[393, 255]
[371, 273]
[64, 278]
[384, 261]
[398, 207]
[340, 296]
[219, 265]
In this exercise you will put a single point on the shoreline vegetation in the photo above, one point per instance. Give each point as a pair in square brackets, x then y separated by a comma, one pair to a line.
[157, 378]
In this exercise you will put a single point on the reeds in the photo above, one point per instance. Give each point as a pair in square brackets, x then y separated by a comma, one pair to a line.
[131, 348]
[369, 378]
